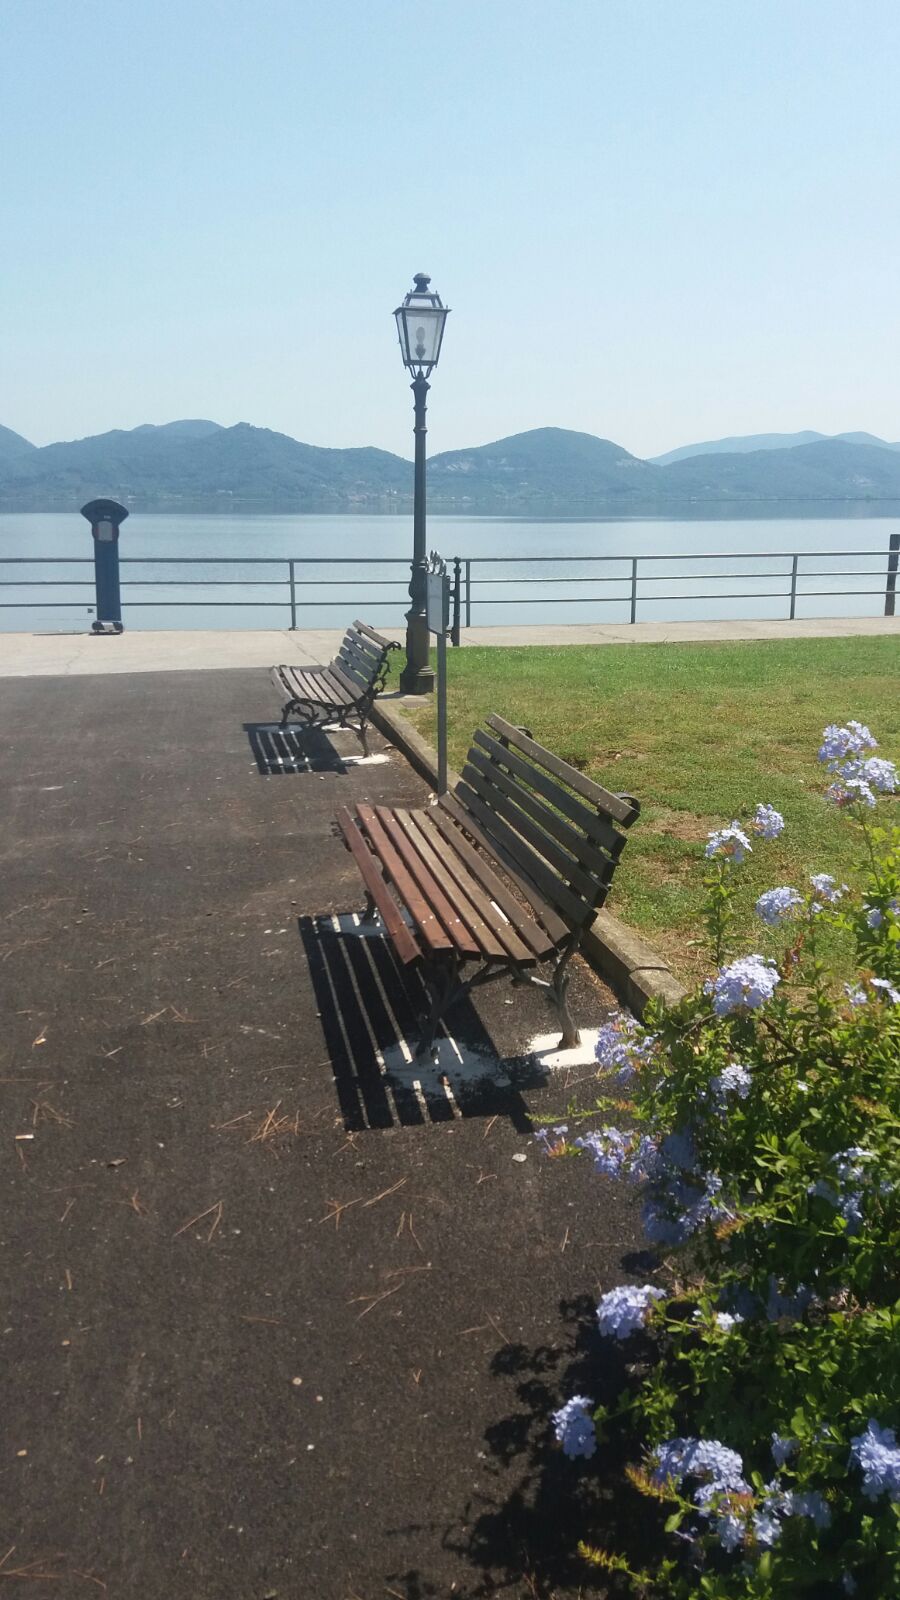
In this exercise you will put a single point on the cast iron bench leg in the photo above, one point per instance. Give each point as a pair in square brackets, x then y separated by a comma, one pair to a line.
[441, 981]
[559, 994]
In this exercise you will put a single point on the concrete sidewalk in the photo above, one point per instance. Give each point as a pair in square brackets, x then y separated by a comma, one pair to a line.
[70, 654]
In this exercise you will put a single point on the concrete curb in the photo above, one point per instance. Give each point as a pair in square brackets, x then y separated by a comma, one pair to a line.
[631, 966]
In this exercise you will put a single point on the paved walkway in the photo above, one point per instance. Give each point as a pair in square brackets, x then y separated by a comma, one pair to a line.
[73, 654]
[278, 1321]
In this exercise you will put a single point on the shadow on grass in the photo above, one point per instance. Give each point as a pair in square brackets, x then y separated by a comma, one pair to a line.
[371, 1016]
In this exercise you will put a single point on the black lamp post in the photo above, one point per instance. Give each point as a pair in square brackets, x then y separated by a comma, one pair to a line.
[420, 324]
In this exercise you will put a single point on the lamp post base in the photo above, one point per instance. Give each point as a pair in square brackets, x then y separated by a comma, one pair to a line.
[421, 682]
[417, 676]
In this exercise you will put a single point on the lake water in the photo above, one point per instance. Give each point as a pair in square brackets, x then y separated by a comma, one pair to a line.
[841, 569]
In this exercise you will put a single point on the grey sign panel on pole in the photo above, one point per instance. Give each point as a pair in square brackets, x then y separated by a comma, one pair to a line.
[437, 610]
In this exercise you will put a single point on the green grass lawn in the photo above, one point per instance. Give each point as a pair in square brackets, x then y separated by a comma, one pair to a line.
[699, 733]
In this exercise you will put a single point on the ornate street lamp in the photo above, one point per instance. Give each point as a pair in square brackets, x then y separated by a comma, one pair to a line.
[420, 324]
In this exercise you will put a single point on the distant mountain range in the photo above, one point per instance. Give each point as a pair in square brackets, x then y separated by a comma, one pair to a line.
[199, 465]
[743, 444]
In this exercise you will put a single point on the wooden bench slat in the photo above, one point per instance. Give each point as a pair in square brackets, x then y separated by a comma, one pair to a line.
[562, 866]
[549, 916]
[624, 810]
[403, 941]
[572, 906]
[506, 942]
[361, 651]
[594, 826]
[302, 684]
[370, 633]
[540, 937]
[356, 667]
[591, 856]
[356, 689]
[414, 859]
[459, 891]
[339, 690]
[355, 640]
[425, 919]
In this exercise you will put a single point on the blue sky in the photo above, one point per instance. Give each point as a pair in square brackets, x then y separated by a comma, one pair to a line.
[655, 220]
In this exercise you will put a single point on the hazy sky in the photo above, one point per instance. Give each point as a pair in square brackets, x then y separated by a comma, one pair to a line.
[655, 220]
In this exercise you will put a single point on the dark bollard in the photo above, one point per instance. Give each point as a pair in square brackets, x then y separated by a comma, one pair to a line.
[105, 517]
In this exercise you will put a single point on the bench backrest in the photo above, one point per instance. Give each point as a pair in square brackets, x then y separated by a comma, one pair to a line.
[556, 831]
[363, 657]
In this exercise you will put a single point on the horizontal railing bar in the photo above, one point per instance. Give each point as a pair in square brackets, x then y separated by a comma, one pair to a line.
[622, 599]
[403, 561]
[700, 555]
[661, 577]
[387, 583]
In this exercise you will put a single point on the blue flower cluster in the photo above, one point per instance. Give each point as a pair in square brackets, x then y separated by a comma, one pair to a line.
[840, 743]
[826, 891]
[723, 1321]
[745, 984]
[734, 1081]
[574, 1427]
[777, 904]
[552, 1140]
[857, 777]
[767, 822]
[852, 1179]
[675, 1215]
[717, 1468]
[622, 1311]
[858, 994]
[787, 1305]
[609, 1148]
[783, 1449]
[877, 1454]
[623, 1045]
[731, 844]
[723, 1496]
[875, 916]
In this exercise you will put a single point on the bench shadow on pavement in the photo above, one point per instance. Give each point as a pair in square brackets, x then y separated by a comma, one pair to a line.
[370, 1014]
[278, 751]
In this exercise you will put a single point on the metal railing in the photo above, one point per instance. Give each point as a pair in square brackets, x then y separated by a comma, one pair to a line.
[476, 579]
[632, 581]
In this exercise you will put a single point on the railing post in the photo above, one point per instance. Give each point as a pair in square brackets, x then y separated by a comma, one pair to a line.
[890, 588]
[794, 564]
[457, 599]
[468, 593]
[634, 581]
[293, 597]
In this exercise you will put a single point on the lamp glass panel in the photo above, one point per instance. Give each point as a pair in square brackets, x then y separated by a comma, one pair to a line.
[424, 324]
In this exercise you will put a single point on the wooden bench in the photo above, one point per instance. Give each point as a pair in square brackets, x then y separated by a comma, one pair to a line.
[343, 691]
[501, 877]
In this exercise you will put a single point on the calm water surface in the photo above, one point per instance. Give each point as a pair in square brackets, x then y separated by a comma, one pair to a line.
[843, 558]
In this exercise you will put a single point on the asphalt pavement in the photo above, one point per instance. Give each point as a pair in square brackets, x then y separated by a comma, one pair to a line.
[285, 1314]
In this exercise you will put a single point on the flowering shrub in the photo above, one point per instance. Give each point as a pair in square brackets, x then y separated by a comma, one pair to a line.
[760, 1120]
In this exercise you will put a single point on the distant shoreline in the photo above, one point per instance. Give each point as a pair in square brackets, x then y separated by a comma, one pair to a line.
[693, 510]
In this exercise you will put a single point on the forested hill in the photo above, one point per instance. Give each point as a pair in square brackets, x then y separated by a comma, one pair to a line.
[197, 464]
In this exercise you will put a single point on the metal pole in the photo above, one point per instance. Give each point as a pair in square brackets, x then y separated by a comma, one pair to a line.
[794, 563]
[890, 590]
[468, 594]
[293, 598]
[634, 576]
[457, 584]
[442, 712]
[417, 676]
